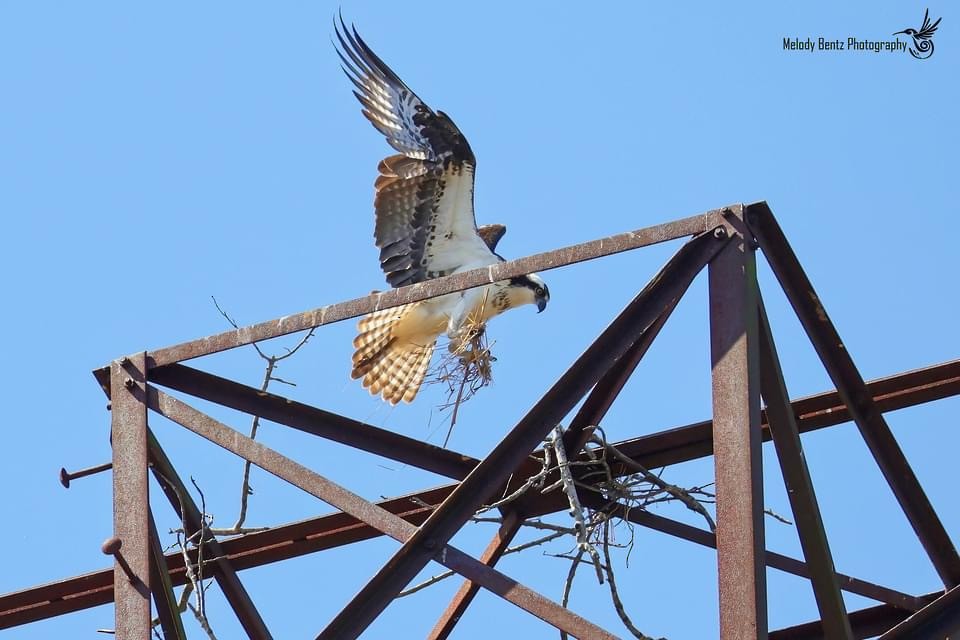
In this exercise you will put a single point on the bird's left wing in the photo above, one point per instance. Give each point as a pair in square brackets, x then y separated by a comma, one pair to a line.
[425, 224]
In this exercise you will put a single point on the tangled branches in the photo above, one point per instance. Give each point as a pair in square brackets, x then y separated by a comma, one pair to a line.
[465, 368]
[592, 532]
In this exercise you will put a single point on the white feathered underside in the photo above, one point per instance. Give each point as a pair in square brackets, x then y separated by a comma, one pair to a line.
[456, 246]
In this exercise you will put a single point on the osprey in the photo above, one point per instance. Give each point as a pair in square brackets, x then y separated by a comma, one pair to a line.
[425, 228]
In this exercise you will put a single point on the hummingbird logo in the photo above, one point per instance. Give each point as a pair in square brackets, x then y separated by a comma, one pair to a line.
[923, 39]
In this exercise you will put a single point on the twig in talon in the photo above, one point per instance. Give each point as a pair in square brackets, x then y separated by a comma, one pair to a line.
[465, 368]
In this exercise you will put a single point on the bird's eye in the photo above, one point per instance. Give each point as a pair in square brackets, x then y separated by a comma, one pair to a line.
[539, 291]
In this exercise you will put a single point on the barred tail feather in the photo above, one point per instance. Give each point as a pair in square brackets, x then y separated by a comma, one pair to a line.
[389, 367]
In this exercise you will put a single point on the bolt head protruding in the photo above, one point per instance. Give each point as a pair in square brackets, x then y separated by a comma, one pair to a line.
[720, 233]
[128, 383]
[111, 546]
[64, 478]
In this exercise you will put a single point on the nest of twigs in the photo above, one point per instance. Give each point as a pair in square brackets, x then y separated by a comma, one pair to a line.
[465, 368]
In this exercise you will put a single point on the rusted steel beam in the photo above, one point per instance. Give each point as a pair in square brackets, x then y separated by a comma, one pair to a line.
[506, 457]
[796, 477]
[866, 623]
[495, 549]
[397, 528]
[166, 602]
[318, 422]
[431, 288]
[845, 375]
[293, 540]
[939, 619]
[601, 398]
[736, 440]
[772, 559]
[131, 574]
[591, 413]
[826, 409]
[187, 510]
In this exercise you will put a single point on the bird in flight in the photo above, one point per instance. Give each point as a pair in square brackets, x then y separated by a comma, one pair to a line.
[425, 228]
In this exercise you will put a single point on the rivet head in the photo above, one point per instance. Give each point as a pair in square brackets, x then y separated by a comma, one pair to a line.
[128, 383]
[720, 233]
[111, 546]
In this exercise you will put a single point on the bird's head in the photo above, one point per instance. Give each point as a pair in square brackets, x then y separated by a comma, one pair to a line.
[909, 32]
[531, 289]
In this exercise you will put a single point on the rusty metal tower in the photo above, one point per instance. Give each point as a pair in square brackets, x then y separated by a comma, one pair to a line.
[745, 369]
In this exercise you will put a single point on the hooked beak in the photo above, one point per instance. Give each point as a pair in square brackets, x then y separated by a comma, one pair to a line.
[541, 304]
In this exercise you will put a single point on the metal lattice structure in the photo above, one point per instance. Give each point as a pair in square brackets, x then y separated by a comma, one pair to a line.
[745, 367]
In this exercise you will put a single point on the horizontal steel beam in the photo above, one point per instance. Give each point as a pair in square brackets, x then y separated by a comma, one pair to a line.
[772, 559]
[333, 530]
[329, 314]
[939, 619]
[866, 623]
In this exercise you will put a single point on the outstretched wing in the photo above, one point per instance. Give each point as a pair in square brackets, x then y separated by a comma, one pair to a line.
[425, 225]
[927, 30]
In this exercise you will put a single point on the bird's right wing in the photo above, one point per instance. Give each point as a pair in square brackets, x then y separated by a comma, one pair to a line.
[425, 224]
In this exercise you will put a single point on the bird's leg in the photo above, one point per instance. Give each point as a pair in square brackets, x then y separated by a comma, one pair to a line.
[467, 315]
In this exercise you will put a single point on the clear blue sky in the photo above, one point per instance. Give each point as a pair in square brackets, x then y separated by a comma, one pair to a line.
[153, 157]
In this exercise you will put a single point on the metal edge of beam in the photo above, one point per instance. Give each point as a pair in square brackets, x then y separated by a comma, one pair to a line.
[772, 559]
[840, 366]
[458, 282]
[314, 421]
[506, 532]
[939, 619]
[814, 412]
[866, 623]
[670, 283]
[799, 486]
[819, 411]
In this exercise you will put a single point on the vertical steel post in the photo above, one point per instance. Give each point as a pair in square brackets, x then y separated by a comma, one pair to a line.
[131, 519]
[736, 441]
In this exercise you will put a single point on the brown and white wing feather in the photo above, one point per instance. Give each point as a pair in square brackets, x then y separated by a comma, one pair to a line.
[425, 225]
